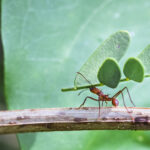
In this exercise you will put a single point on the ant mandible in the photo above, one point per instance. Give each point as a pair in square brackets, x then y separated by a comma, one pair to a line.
[104, 98]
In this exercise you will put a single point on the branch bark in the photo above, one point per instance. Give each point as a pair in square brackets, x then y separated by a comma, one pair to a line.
[68, 119]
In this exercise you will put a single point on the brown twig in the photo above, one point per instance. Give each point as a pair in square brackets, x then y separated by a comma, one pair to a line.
[68, 119]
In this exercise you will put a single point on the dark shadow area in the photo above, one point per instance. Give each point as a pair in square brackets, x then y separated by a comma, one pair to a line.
[2, 97]
[7, 142]
[26, 140]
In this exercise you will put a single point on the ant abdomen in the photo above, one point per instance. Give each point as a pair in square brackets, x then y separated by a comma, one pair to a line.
[115, 102]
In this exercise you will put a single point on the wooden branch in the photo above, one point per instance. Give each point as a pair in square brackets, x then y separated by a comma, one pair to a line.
[68, 119]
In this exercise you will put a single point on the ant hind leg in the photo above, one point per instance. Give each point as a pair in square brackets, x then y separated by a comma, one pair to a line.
[99, 108]
[121, 92]
[118, 93]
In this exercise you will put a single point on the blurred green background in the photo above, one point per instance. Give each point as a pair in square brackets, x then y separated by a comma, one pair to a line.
[46, 42]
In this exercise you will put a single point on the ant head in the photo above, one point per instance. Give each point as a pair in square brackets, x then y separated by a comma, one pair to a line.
[115, 102]
[92, 88]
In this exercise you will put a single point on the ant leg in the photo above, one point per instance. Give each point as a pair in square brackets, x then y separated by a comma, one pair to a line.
[86, 99]
[106, 103]
[128, 95]
[102, 104]
[117, 94]
[99, 108]
[126, 107]
[124, 102]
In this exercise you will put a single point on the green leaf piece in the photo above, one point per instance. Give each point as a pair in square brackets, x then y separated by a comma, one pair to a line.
[109, 73]
[144, 56]
[134, 70]
[115, 46]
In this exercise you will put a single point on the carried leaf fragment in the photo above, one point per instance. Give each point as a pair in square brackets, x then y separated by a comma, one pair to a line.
[134, 69]
[109, 73]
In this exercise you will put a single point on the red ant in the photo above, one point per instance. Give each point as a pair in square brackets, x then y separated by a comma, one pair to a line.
[102, 97]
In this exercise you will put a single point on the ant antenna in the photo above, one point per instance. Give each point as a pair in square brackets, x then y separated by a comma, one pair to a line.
[84, 77]
[82, 91]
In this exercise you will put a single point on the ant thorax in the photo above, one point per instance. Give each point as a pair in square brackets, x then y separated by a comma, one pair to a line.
[96, 91]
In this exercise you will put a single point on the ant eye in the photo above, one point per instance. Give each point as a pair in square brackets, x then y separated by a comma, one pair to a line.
[91, 88]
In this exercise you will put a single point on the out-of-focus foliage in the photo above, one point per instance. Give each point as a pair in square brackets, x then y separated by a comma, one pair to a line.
[45, 44]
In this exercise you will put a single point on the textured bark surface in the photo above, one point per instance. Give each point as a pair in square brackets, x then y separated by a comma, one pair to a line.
[68, 119]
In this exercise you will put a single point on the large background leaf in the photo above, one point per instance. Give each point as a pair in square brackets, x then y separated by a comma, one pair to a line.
[114, 46]
[45, 44]
[144, 56]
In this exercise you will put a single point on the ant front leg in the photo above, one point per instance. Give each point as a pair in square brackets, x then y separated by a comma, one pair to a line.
[129, 95]
[117, 94]
[86, 99]
[121, 91]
